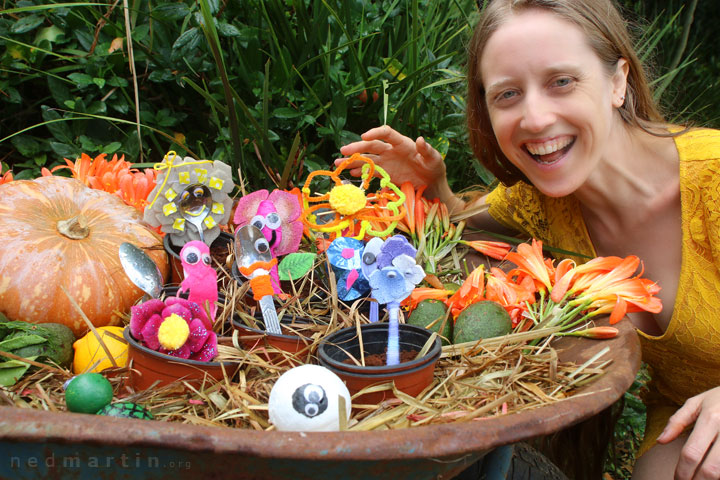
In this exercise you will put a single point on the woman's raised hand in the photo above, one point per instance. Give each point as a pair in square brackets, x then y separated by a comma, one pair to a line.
[402, 158]
[700, 456]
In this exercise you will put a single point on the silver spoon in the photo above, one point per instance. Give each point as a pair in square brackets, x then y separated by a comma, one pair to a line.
[252, 247]
[194, 204]
[141, 269]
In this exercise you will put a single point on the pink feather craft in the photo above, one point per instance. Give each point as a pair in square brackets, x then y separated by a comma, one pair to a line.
[200, 277]
[277, 215]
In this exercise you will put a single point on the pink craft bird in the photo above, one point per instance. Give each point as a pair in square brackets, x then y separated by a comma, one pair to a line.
[200, 277]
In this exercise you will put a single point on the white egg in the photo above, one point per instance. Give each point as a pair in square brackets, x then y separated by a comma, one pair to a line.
[305, 399]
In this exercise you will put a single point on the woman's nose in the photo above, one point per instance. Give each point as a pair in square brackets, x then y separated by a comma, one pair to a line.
[537, 113]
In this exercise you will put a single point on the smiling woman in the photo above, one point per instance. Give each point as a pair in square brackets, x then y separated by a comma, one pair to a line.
[560, 110]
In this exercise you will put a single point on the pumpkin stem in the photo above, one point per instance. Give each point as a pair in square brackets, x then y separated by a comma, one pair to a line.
[75, 228]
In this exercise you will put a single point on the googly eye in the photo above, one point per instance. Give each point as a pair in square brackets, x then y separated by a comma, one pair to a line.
[311, 409]
[272, 220]
[369, 258]
[191, 255]
[199, 192]
[262, 245]
[314, 393]
[258, 221]
[206, 259]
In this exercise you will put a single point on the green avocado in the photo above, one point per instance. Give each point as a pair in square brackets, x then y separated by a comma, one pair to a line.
[47, 341]
[431, 314]
[480, 320]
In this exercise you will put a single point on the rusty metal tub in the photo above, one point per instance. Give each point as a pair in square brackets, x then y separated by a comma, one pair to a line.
[38, 444]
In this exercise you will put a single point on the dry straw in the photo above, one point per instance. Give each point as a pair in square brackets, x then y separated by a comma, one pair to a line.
[472, 381]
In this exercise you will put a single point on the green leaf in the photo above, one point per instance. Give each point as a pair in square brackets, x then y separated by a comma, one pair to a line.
[82, 80]
[286, 112]
[27, 24]
[111, 147]
[12, 370]
[26, 145]
[59, 130]
[295, 265]
[228, 30]
[117, 82]
[49, 34]
[170, 12]
[100, 82]
[64, 150]
[20, 340]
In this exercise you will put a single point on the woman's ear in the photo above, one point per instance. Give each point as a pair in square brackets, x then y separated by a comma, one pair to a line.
[619, 82]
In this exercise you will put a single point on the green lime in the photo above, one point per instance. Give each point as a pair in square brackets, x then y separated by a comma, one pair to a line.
[125, 410]
[480, 320]
[431, 314]
[88, 393]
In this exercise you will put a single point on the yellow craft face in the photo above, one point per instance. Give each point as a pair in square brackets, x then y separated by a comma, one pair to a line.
[347, 199]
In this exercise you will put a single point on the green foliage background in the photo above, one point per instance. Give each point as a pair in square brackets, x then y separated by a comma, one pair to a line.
[275, 87]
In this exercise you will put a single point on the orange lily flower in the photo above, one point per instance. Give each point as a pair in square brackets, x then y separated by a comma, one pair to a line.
[420, 212]
[529, 259]
[409, 220]
[470, 291]
[6, 177]
[424, 293]
[622, 270]
[496, 250]
[628, 295]
[512, 296]
[564, 273]
[594, 332]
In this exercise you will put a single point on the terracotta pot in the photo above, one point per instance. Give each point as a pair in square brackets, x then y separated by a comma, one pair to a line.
[176, 270]
[296, 349]
[409, 377]
[149, 367]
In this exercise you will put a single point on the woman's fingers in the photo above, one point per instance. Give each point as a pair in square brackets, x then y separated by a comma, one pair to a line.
[376, 147]
[699, 457]
[427, 150]
[684, 417]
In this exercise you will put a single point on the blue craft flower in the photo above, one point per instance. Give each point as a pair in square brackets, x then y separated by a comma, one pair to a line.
[395, 282]
[345, 256]
[393, 247]
[345, 253]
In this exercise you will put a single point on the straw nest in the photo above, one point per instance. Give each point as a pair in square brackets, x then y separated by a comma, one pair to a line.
[496, 376]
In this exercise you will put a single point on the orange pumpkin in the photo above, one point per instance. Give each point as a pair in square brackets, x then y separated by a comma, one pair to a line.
[58, 232]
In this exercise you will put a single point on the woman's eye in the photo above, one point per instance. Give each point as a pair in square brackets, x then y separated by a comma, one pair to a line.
[506, 96]
[562, 82]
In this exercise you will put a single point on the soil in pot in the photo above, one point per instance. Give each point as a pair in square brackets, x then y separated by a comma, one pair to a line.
[410, 376]
[380, 359]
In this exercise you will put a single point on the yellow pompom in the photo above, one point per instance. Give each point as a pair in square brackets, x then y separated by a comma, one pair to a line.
[173, 332]
[88, 351]
[347, 199]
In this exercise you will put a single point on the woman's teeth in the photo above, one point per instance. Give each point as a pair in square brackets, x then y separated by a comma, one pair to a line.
[547, 148]
[549, 152]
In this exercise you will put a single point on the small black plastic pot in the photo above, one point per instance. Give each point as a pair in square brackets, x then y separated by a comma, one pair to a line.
[409, 377]
[293, 349]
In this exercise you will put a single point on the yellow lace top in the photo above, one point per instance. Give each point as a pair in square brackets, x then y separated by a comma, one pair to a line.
[684, 361]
